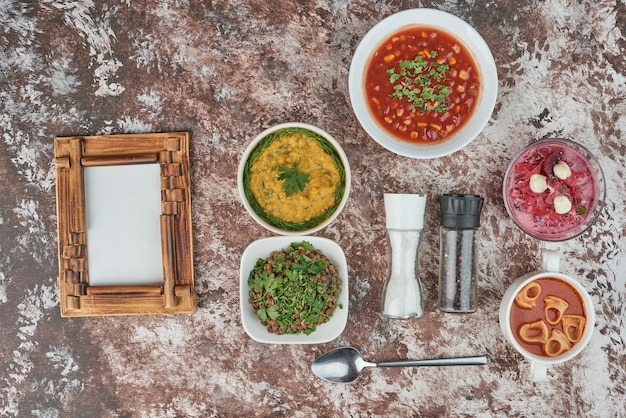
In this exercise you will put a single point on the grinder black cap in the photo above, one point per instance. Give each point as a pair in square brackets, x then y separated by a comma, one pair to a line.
[460, 210]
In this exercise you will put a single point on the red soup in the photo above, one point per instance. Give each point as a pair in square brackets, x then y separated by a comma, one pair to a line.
[535, 207]
[548, 317]
[422, 85]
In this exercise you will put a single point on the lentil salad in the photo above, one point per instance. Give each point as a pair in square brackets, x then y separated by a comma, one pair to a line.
[294, 290]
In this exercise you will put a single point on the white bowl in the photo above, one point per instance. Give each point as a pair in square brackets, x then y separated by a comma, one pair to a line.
[252, 324]
[450, 24]
[264, 222]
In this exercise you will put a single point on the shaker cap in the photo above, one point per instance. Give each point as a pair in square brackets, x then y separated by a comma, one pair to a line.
[404, 211]
[460, 210]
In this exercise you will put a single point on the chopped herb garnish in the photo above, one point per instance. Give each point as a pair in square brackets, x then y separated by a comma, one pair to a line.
[581, 210]
[294, 180]
[414, 83]
[294, 290]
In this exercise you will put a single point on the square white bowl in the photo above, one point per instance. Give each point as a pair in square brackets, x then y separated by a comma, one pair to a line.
[325, 332]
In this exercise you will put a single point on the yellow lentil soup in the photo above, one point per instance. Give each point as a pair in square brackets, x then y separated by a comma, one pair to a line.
[294, 179]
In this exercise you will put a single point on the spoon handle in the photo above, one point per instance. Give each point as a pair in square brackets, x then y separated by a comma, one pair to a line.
[455, 361]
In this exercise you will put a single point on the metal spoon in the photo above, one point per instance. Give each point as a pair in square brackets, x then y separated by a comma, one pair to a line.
[345, 364]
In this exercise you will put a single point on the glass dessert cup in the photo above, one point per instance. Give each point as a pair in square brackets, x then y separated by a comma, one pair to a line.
[554, 189]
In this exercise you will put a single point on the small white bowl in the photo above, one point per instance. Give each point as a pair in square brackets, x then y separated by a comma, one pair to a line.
[252, 324]
[447, 23]
[263, 222]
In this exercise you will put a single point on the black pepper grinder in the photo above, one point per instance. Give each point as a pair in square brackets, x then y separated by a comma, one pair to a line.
[460, 219]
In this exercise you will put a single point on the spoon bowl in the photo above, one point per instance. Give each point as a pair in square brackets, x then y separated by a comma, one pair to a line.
[345, 364]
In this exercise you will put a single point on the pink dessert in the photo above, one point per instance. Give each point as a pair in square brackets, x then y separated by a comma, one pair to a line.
[554, 189]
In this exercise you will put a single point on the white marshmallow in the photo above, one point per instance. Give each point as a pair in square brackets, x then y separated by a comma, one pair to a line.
[538, 183]
[562, 170]
[562, 205]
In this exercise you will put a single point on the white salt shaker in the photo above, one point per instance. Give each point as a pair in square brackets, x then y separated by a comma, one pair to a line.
[402, 294]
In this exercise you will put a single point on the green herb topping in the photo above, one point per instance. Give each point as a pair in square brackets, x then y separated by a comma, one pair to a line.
[414, 83]
[581, 210]
[294, 290]
[267, 216]
[294, 180]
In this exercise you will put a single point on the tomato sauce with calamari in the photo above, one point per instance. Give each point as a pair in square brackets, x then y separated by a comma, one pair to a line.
[550, 287]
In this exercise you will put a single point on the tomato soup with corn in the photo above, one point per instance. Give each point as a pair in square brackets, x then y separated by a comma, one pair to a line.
[422, 85]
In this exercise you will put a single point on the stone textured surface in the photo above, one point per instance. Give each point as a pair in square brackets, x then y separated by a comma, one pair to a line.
[226, 69]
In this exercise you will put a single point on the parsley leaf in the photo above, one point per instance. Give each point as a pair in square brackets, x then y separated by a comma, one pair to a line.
[419, 82]
[294, 180]
[294, 290]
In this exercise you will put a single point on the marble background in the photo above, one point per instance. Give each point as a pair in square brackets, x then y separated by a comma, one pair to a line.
[226, 69]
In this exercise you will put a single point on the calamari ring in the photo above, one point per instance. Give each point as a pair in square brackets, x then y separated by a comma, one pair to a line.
[534, 332]
[554, 309]
[574, 327]
[527, 297]
[557, 344]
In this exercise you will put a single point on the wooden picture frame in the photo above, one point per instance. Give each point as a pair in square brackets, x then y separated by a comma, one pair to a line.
[176, 293]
